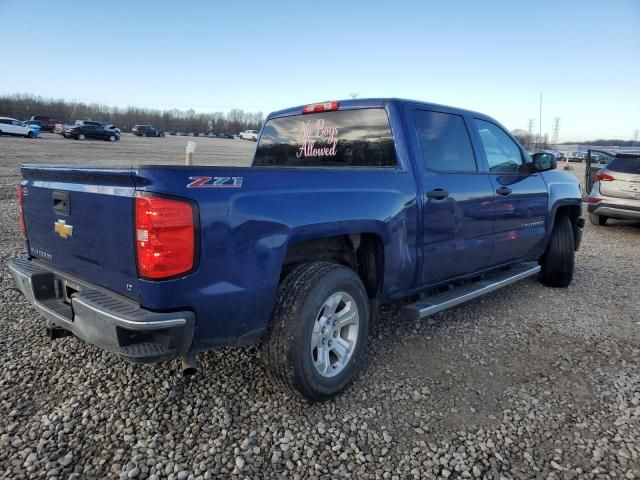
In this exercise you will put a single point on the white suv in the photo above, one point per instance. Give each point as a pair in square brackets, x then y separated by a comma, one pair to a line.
[11, 126]
[249, 135]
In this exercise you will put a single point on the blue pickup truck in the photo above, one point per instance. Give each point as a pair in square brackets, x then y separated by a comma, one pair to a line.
[347, 205]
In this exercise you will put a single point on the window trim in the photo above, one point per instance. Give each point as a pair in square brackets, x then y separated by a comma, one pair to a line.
[521, 169]
[466, 128]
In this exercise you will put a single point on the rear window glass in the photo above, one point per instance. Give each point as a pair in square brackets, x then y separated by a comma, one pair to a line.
[349, 138]
[445, 142]
[625, 165]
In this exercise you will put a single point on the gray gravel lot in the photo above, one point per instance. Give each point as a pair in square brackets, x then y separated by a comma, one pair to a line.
[528, 382]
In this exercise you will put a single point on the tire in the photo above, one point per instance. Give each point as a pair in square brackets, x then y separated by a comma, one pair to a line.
[558, 260]
[596, 219]
[81, 136]
[306, 302]
[112, 138]
[29, 134]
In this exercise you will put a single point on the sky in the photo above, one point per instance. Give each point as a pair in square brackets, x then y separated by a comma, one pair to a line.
[493, 56]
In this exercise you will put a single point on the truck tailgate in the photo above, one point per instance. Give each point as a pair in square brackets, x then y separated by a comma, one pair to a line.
[80, 221]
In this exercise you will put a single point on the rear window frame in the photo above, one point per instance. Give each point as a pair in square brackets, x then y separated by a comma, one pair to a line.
[396, 167]
[476, 159]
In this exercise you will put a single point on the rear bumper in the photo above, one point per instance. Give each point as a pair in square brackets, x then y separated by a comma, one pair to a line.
[102, 318]
[615, 210]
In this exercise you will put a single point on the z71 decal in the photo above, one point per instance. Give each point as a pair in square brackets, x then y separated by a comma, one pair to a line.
[215, 182]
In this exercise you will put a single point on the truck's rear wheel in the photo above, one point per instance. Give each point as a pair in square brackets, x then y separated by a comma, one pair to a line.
[597, 219]
[558, 260]
[319, 330]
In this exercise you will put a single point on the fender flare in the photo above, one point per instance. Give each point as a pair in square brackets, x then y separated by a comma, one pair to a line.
[577, 220]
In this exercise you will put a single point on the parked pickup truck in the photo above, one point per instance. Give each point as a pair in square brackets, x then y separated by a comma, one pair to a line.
[347, 205]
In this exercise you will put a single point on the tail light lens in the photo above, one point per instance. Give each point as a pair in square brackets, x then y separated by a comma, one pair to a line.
[603, 177]
[22, 227]
[594, 200]
[165, 241]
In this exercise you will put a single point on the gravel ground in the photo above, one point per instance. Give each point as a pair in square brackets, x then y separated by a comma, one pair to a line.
[528, 382]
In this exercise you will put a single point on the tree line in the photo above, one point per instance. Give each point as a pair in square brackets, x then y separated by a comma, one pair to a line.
[534, 142]
[23, 106]
[530, 141]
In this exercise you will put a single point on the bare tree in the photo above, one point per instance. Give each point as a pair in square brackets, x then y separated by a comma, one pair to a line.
[24, 106]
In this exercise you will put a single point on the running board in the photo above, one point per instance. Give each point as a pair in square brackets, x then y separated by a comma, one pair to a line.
[457, 295]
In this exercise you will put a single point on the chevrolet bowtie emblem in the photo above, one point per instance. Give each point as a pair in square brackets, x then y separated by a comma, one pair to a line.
[62, 229]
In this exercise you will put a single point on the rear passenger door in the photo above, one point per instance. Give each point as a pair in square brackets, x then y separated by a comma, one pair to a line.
[6, 126]
[457, 198]
[521, 196]
[89, 131]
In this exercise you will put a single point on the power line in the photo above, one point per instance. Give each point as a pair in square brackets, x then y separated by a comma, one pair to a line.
[530, 126]
[540, 122]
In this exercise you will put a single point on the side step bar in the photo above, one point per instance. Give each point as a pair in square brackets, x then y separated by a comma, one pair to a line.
[457, 295]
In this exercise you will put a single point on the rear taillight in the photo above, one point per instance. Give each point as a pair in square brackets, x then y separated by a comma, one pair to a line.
[594, 200]
[22, 227]
[321, 107]
[165, 242]
[603, 177]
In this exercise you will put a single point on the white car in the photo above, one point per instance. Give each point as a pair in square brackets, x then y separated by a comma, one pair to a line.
[11, 126]
[249, 135]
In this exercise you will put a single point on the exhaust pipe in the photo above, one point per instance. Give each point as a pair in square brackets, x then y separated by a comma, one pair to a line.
[54, 333]
[189, 364]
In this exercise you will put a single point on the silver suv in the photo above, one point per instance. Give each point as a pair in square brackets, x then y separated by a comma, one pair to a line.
[616, 190]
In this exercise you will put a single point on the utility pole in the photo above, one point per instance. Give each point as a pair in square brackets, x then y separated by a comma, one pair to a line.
[556, 131]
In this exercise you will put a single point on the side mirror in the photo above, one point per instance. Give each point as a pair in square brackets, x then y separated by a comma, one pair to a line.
[543, 161]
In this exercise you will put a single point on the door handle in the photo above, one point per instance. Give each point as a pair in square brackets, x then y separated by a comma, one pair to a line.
[438, 194]
[503, 191]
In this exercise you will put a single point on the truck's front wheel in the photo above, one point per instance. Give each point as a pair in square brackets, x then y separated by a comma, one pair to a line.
[558, 260]
[319, 330]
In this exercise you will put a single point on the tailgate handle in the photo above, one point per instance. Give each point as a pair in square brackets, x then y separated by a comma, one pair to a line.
[61, 202]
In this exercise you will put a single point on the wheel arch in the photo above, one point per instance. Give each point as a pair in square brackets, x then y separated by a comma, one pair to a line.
[571, 208]
[362, 252]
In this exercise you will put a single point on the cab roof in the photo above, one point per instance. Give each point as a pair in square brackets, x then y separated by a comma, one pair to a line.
[352, 104]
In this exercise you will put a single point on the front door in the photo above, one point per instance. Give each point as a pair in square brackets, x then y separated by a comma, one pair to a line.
[458, 200]
[90, 131]
[17, 128]
[521, 197]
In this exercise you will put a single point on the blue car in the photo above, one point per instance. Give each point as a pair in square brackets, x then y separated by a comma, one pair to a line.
[347, 205]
